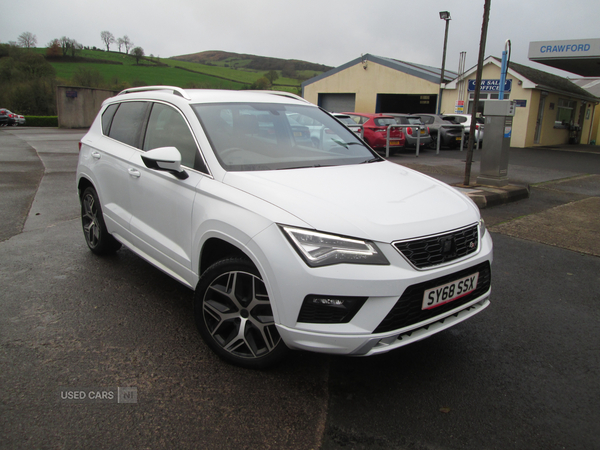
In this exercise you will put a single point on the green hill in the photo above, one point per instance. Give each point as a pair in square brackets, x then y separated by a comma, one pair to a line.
[28, 77]
[219, 70]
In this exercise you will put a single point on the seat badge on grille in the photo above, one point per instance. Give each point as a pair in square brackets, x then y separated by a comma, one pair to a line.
[448, 246]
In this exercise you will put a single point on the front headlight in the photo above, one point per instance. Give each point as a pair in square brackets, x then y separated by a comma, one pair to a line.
[320, 249]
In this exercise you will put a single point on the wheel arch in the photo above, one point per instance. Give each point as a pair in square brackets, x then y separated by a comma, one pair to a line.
[216, 249]
[83, 184]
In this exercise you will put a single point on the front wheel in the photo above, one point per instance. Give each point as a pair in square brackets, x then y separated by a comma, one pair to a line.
[234, 316]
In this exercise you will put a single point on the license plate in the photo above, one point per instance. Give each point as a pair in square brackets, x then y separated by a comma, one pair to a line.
[458, 138]
[422, 131]
[394, 142]
[450, 291]
[297, 133]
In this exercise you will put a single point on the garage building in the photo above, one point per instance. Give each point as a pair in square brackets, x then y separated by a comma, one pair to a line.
[551, 110]
[376, 84]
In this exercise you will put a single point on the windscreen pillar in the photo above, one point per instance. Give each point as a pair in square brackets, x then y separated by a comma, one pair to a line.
[496, 144]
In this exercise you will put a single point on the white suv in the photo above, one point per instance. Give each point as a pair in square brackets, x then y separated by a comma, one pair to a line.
[287, 245]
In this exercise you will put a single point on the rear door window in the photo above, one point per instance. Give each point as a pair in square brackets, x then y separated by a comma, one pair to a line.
[107, 117]
[127, 123]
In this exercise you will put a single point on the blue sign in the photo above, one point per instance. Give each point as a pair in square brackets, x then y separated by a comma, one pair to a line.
[491, 85]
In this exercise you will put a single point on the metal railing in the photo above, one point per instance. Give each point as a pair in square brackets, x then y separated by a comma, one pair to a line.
[403, 128]
[439, 137]
[418, 131]
[387, 138]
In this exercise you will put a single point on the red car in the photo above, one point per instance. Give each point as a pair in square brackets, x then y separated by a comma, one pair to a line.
[375, 130]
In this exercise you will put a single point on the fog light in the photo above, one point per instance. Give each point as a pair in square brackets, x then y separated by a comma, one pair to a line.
[329, 301]
[329, 309]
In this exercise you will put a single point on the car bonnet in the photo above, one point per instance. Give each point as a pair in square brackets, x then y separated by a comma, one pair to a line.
[380, 201]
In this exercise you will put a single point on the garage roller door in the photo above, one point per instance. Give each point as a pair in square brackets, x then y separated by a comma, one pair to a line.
[337, 102]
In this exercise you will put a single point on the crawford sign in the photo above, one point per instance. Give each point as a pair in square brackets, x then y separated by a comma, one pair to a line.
[580, 56]
[491, 85]
[564, 49]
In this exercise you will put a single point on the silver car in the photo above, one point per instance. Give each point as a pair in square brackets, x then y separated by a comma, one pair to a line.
[414, 130]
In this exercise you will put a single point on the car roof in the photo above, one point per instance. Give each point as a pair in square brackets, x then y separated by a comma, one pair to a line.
[211, 95]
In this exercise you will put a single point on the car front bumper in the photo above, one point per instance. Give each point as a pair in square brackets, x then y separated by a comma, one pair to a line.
[290, 281]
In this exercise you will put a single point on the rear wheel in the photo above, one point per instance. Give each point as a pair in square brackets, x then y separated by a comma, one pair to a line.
[433, 142]
[96, 235]
[234, 316]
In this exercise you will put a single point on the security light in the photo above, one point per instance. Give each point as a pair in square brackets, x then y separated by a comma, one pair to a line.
[445, 15]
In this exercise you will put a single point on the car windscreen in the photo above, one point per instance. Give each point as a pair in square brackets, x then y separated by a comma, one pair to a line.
[346, 120]
[451, 119]
[270, 136]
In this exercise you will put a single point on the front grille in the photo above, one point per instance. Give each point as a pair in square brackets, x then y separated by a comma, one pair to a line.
[407, 310]
[435, 250]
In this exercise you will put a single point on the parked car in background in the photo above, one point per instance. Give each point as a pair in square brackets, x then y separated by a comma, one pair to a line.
[20, 119]
[7, 118]
[465, 121]
[349, 122]
[375, 127]
[445, 128]
[286, 245]
[414, 129]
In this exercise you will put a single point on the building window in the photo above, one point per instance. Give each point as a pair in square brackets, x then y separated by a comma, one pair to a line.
[564, 112]
[497, 96]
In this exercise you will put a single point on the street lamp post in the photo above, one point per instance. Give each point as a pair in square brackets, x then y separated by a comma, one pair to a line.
[444, 15]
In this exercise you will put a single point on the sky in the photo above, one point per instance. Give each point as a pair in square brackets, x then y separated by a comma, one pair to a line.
[331, 32]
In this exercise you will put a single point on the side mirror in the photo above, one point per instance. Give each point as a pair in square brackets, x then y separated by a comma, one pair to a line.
[167, 159]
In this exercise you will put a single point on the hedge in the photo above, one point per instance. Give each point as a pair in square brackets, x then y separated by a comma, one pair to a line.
[41, 121]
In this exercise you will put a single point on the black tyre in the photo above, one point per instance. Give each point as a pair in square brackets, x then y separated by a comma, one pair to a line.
[433, 142]
[96, 235]
[234, 315]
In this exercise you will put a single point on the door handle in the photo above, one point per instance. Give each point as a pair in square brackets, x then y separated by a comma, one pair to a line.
[96, 155]
[134, 173]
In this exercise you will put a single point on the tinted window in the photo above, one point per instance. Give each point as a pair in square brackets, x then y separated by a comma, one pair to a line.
[450, 120]
[168, 128]
[384, 121]
[347, 120]
[107, 118]
[127, 123]
[427, 119]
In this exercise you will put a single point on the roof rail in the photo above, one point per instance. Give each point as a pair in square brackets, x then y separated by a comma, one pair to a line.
[176, 90]
[285, 94]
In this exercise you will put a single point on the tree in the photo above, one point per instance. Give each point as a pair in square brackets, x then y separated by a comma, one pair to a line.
[271, 75]
[108, 38]
[138, 53]
[262, 83]
[120, 43]
[127, 43]
[28, 82]
[64, 44]
[54, 49]
[74, 47]
[27, 40]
